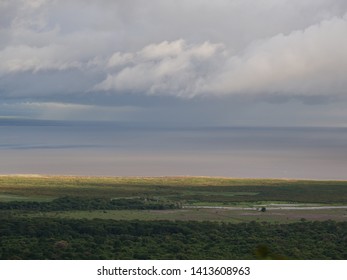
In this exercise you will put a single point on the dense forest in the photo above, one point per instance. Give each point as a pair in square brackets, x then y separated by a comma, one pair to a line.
[67, 203]
[41, 238]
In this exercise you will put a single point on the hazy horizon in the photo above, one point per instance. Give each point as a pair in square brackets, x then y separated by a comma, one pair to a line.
[110, 149]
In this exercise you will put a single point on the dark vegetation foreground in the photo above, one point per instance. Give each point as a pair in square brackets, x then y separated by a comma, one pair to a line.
[106, 239]
[69, 218]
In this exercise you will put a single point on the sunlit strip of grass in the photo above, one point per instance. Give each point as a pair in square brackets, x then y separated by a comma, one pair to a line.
[11, 197]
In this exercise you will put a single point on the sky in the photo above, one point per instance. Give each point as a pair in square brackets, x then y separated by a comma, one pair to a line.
[175, 62]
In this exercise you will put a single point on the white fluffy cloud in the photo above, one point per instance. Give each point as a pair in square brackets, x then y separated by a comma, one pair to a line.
[305, 62]
[174, 68]
[28, 58]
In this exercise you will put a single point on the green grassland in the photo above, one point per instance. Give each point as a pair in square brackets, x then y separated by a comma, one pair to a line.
[183, 191]
[188, 189]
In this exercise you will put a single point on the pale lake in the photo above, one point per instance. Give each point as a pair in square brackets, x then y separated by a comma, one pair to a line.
[119, 149]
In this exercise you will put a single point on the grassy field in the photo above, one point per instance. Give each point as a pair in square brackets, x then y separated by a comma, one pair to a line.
[189, 191]
[222, 215]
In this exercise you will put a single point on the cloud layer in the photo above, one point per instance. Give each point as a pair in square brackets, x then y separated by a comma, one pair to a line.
[92, 53]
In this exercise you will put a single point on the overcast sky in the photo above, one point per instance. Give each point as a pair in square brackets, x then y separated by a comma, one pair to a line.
[175, 62]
